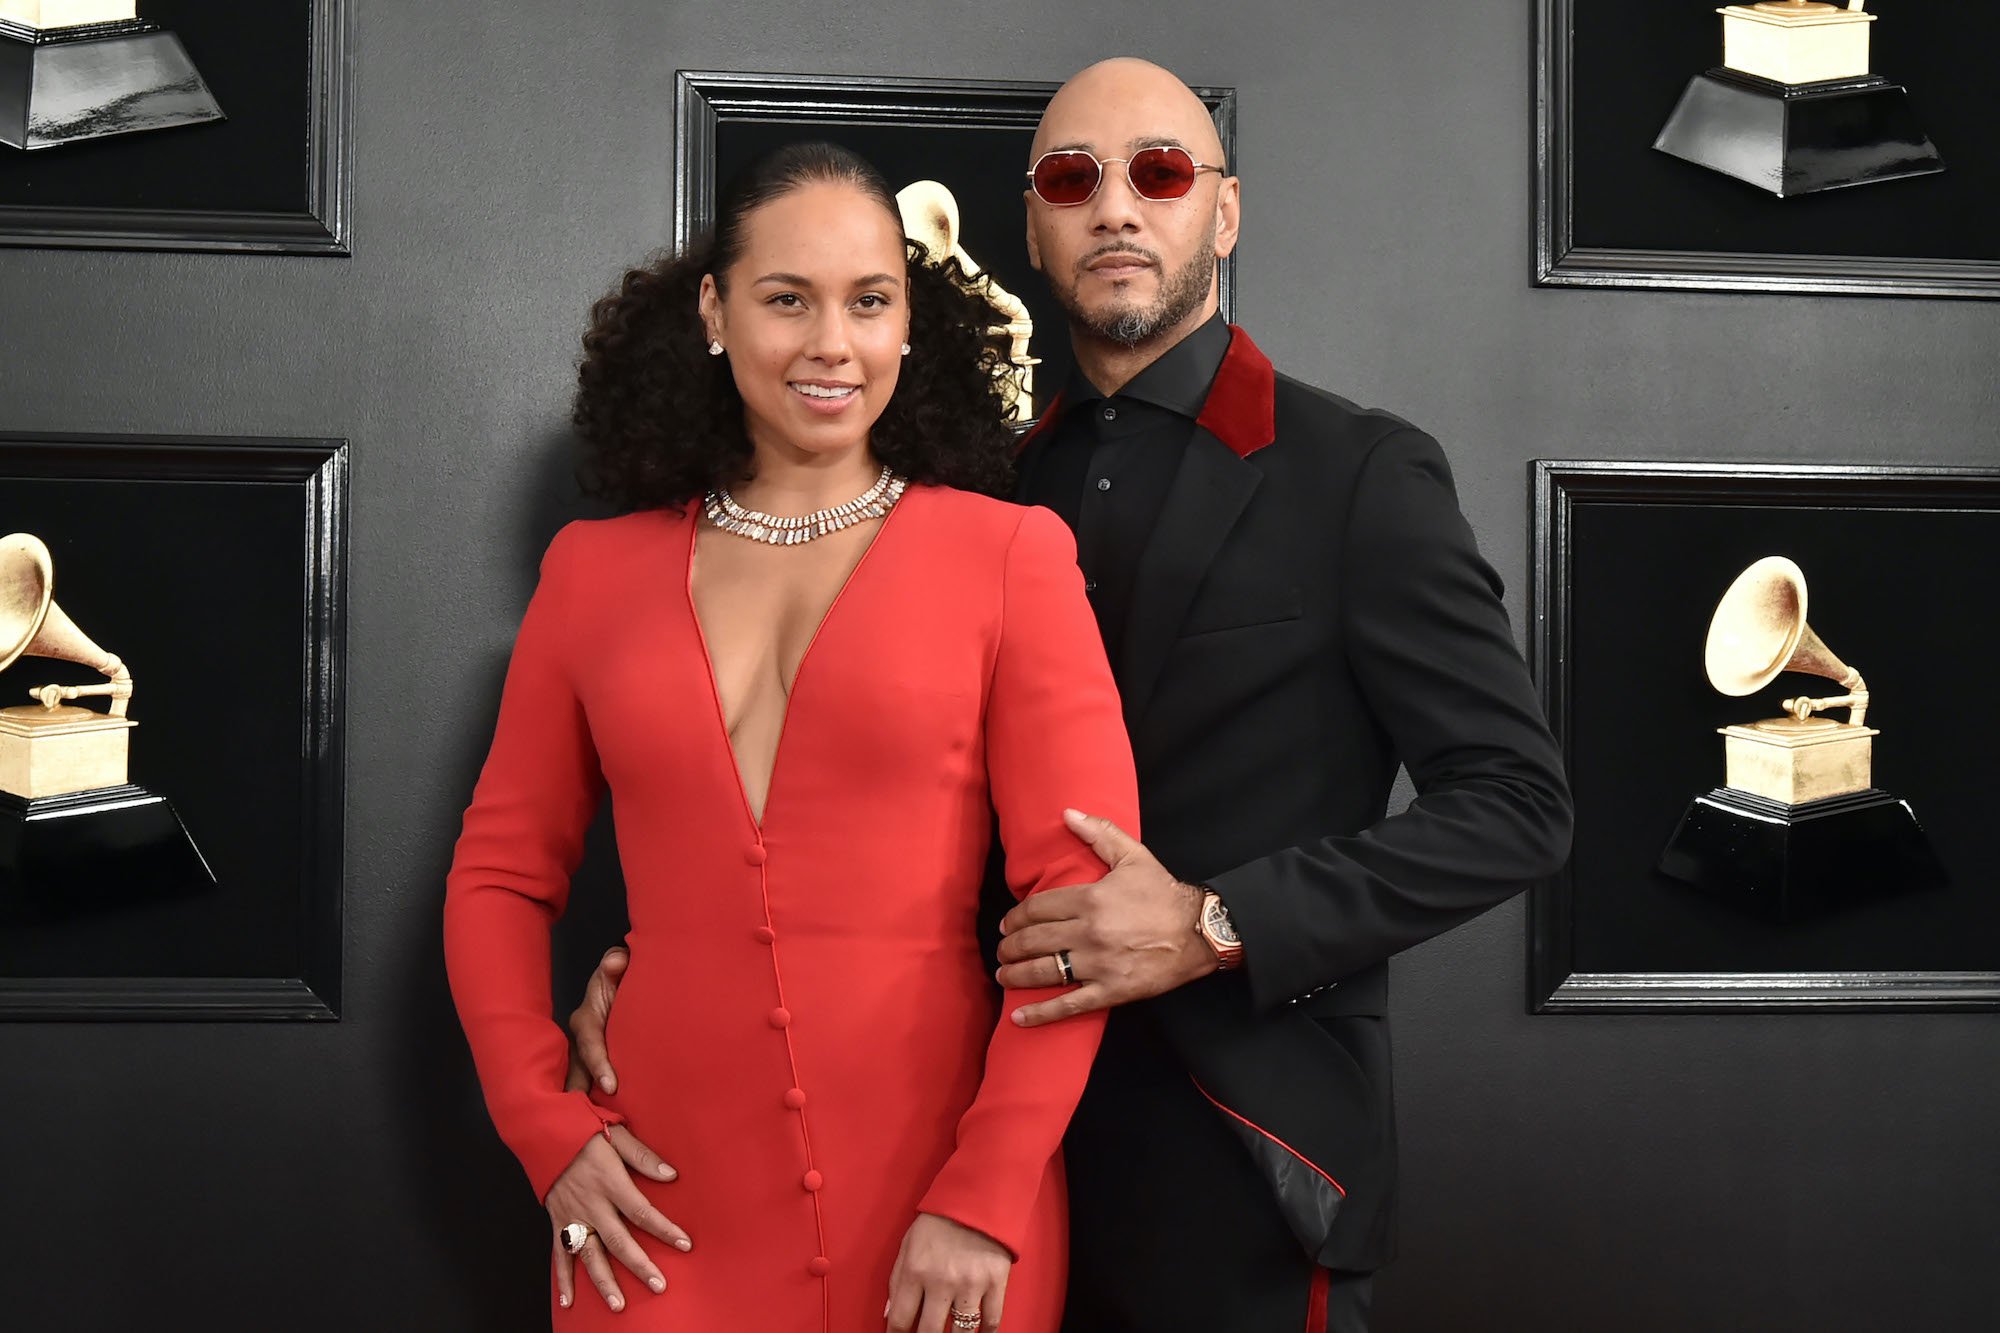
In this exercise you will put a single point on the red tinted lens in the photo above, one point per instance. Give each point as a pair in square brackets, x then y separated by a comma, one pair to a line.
[1162, 173]
[1066, 178]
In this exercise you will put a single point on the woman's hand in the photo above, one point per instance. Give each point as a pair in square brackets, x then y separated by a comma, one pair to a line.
[944, 1267]
[596, 1189]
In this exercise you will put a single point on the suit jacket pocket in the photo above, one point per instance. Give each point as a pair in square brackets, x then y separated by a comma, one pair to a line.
[1245, 606]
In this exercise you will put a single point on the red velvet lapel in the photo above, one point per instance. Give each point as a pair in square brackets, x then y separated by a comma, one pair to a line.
[1241, 410]
[1047, 419]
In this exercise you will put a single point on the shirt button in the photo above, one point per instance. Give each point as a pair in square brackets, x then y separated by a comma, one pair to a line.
[820, 1266]
[812, 1181]
[795, 1098]
[755, 855]
[1111, 414]
[781, 1018]
[1104, 483]
[1090, 585]
[764, 934]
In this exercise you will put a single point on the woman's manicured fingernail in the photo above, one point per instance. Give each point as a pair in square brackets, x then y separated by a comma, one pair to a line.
[563, 1301]
[606, 1082]
[658, 1284]
[683, 1244]
[667, 1172]
[616, 1303]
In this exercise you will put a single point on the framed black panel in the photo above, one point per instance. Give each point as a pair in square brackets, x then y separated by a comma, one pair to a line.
[216, 569]
[271, 177]
[1630, 560]
[972, 135]
[1612, 211]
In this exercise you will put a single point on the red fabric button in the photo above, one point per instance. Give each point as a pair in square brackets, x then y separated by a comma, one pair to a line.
[781, 1018]
[764, 934]
[820, 1266]
[813, 1181]
[754, 855]
[796, 1099]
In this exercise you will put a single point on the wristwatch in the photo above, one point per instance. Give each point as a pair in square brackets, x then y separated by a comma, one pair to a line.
[1219, 931]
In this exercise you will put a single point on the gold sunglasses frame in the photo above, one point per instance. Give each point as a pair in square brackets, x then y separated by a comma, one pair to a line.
[1103, 162]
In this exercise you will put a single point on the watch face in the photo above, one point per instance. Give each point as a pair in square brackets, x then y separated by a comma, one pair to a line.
[1215, 918]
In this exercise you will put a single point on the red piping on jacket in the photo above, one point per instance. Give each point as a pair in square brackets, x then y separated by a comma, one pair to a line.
[1267, 1134]
[1316, 1303]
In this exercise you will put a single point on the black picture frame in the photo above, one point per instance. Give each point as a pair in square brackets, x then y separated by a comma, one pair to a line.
[217, 568]
[1612, 211]
[1629, 560]
[893, 117]
[272, 178]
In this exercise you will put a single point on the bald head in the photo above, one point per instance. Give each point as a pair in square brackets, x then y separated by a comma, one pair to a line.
[1124, 103]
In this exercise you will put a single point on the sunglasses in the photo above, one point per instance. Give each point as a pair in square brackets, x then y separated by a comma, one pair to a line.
[1071, 176]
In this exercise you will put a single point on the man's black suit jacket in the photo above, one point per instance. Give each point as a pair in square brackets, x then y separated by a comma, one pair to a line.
[1311, 612]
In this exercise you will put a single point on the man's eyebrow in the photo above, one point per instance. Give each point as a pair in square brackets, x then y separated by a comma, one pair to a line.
[1072, 146]
[1154, 141]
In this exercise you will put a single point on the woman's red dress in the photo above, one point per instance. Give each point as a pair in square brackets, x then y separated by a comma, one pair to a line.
[807, 1031]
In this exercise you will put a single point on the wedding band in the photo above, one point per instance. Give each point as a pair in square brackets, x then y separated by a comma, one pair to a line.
[965, 1318]
[1068, 979]
[575, 1236]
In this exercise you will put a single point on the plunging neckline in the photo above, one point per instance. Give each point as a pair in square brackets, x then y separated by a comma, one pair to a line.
[798, 674]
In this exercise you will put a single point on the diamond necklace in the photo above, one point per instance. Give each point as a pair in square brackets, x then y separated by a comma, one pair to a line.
[781, 530]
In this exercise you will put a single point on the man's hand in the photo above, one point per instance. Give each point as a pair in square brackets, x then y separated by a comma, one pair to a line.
[1130, 936]
[588, 1057]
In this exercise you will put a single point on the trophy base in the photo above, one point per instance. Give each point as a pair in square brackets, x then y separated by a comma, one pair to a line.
[93, 851]
[56, 751]
[1797, 138]
[63, 85]
[1795, 762]
[1789, 862]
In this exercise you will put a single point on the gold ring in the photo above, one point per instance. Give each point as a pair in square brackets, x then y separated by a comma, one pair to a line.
[1068, 975]
[575, 1236]
[965, 1318]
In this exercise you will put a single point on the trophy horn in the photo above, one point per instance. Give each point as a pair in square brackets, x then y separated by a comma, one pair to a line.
[33, 625]
[1759, 630]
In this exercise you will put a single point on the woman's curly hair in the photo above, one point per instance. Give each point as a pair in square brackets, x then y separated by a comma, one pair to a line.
[661, 421]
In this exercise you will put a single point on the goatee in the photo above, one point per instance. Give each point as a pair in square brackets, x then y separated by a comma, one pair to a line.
[1128, 325]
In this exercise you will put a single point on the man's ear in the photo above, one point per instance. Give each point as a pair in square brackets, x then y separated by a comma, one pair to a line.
[1028, 216]
[1228, 215]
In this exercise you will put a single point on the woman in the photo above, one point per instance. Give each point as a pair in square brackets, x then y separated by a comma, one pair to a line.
[810, 666]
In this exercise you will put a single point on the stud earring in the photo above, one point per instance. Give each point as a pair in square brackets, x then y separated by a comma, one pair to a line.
[906, 349]
[714, 347]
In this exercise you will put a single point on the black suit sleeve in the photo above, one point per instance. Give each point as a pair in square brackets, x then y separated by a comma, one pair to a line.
[1428, 642]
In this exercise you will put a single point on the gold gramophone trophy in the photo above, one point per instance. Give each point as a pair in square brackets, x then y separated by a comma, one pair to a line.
[1794, 108]
[74, 833]
[930, 215]
[1799, 825]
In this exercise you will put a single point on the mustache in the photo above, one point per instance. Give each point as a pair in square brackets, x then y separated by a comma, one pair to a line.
[1117, 248]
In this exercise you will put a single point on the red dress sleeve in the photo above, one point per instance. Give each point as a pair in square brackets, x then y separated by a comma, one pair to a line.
[509, 880]
[1054, 739]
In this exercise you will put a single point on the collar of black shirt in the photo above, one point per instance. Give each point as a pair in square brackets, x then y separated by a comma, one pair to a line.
[1178, 381]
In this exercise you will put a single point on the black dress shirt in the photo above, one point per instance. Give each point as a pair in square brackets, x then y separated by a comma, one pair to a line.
[1108, 464]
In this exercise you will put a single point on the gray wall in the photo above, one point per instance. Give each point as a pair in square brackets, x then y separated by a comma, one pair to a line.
[1564, 1173]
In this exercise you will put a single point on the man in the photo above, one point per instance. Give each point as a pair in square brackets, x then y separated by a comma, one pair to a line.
[1293, 606]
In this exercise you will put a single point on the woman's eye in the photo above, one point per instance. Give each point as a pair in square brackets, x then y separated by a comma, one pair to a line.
[873, 301]
[786, 299]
